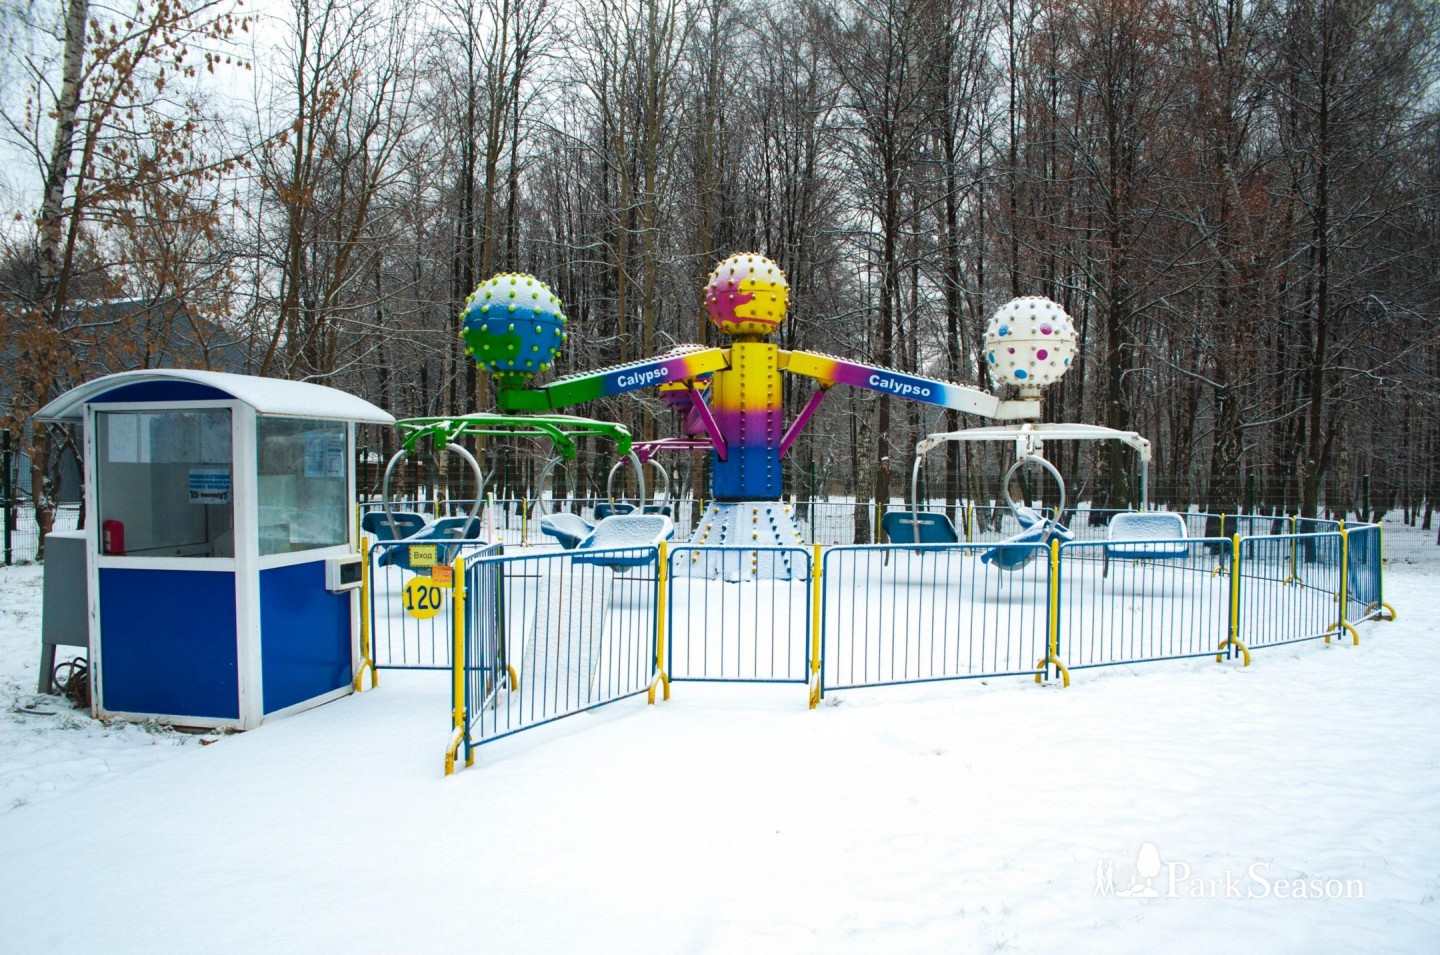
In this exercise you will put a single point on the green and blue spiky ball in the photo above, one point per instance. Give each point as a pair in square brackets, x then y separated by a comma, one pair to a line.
[513, 325]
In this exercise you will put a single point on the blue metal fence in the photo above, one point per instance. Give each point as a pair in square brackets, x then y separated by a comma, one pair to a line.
[398, 638]
[552, 635]
[1124, 610]
[919, 613]
[547, 634]
[739, 615]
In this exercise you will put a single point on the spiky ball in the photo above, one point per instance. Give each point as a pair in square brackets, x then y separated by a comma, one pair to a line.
[1030, 342]
[747, 295]
[513, 325]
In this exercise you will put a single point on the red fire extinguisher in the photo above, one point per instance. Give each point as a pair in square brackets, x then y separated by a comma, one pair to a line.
[112, 538]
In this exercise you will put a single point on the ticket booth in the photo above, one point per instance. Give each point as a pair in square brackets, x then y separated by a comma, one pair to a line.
[220, 544]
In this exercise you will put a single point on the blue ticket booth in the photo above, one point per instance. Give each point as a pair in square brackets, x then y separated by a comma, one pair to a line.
[220, 546]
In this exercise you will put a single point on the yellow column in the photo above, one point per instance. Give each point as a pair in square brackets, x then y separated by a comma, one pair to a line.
[817, 594]
[662, 581]
[457, 665]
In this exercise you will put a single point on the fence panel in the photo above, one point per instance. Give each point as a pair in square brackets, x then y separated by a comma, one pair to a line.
[728, 623]
[553, 634]
[1289, 588]
[1363, 586]
[410, 630]
[918, 613]
[1119, 608]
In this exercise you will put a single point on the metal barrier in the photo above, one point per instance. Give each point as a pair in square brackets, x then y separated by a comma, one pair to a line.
[406, 621]
[1120, 610]
[935, 612]
[543, 636]
[1289, 588]
[727, 623]
[535, 637]
[1364, 580]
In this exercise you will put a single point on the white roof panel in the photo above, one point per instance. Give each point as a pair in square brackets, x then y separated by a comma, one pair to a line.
[266, 395]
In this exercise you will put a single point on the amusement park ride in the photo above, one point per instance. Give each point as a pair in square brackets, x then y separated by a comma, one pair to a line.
[514, 326]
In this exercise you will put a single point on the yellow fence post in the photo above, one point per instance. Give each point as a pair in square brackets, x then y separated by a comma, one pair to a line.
[1294, 577]
[457, 665]
[1343, 596]
[525, 522]
[1052, 635]
[662, 580]
[817, 593]
[1234, 639]
[367, 658]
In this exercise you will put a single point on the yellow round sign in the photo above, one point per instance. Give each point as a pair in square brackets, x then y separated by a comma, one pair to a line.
[422, 597]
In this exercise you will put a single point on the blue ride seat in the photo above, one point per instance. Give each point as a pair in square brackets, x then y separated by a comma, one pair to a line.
[445, 529]
[1146, 536]
[379, 526]
[638, 534]
[606, 509]
[922, 527]
[1017, 551]
[568, 529]
[657, 509]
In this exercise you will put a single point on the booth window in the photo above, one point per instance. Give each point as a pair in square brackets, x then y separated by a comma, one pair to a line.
[165, 483]
[304, 484]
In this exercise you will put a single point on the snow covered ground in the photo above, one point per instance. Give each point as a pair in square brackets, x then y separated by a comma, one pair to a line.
[1175, 807]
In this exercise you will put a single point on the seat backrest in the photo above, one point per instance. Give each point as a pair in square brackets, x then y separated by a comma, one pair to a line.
[456, 528]
[606, 509]
[569, 529]
[1158, 525]
[924, 527]
[378, 524]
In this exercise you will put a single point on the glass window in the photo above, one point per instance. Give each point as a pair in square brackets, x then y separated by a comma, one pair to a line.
[303, 492]
[164, 483]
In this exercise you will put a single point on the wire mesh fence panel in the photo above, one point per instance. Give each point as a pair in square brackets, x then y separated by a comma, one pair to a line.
[1363, 585]
[411, 612]
[569, 633]
[22, 544]
[1289, 588]
[1127, 601]
[739, 614]
[917, 613]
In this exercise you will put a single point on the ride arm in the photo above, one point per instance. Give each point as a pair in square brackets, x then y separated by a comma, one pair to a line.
[944, 394]
[680, 364]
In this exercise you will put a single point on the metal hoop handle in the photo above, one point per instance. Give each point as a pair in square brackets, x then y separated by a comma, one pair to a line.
[1054, 473]
[480, 481]
[633, 460]
[542, 506]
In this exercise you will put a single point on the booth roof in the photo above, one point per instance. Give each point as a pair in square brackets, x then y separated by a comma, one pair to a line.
[265, 395]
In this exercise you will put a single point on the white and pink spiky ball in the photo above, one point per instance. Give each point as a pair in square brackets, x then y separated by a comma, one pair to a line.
[1030, 343]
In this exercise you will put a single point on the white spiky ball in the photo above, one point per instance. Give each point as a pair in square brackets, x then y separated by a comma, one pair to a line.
[1029, 343]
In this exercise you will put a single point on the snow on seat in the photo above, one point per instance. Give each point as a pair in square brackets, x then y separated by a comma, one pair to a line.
[1017, 551]
[569, 529]
[1146, 536]
[638, 534]
[445, 529]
